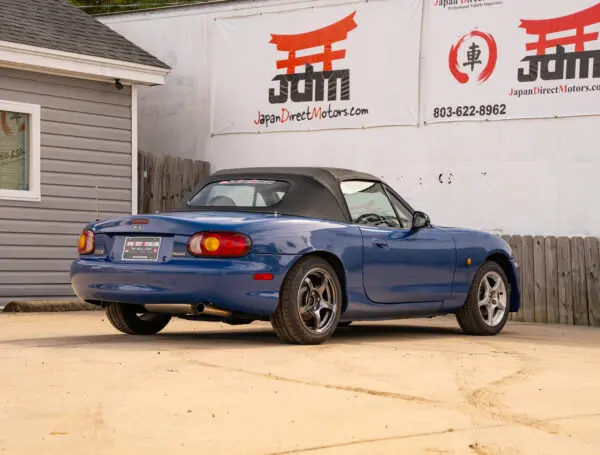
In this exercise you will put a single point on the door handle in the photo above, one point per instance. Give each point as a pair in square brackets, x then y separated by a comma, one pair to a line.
[378, 243]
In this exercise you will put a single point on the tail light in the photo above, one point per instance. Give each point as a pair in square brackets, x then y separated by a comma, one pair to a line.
[219, 244]
[87, 242]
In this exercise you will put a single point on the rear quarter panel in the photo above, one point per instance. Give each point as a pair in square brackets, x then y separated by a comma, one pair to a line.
[298, 237]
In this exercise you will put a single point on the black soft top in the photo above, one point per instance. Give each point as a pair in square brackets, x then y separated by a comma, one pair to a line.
[314, 192]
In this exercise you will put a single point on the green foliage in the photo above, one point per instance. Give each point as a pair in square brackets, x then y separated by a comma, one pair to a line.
[111, 6]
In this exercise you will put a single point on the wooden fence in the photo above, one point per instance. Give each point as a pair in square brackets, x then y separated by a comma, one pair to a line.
[164, 181]
[560, 279]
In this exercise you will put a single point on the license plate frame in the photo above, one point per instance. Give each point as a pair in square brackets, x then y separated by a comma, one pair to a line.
[146, 253]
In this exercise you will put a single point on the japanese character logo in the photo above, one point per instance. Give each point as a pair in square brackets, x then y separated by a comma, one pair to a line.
[475, 53]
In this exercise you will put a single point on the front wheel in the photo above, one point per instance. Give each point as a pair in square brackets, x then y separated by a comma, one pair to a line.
[310, 303]
[488, 303]
[126, 319]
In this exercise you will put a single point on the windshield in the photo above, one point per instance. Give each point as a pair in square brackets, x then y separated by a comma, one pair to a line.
[240, 193]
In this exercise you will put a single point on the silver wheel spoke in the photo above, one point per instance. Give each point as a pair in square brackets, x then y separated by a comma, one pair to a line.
[497, 286]
[303, 300]
[490, 314]
[317, 316]
[327, 305]
[486, 293]
[487, 288]
[309, 285]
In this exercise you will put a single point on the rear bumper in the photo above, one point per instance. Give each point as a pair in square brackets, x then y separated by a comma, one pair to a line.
[225, 283]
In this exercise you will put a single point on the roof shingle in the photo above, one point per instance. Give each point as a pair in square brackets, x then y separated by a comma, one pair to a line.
[59, 25]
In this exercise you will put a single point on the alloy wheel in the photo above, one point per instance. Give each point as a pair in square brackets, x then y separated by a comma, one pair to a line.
[317, 301]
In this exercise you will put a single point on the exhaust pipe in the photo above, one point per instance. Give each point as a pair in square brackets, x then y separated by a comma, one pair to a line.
[211, 310]
[185, 308]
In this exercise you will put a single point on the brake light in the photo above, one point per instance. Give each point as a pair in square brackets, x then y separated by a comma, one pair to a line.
[87, 242]
[219, 244]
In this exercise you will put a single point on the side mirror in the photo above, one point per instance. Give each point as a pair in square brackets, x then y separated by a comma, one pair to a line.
[420, 220]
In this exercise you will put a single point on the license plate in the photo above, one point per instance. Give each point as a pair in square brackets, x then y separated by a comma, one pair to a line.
[141, 248]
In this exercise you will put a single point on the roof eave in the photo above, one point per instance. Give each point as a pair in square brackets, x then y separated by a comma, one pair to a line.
[22, 56]
[167, 8]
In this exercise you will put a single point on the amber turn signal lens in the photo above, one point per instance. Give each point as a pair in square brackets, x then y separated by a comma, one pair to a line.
[212, 244]
[87, 242]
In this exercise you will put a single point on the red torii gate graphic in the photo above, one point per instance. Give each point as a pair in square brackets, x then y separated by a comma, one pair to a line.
[576, 21]
[325, 37]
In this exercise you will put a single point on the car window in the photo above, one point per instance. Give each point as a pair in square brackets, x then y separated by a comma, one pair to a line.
[240, 193]
[368, 204]
[401, 210]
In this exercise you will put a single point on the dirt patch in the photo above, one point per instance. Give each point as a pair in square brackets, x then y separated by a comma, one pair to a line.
[52, 306]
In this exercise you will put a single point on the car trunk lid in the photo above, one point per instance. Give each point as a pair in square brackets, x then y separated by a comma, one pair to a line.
[161, 237]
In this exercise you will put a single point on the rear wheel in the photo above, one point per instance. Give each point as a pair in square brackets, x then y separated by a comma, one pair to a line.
[126, 319]
[310, 303]
[487, 307]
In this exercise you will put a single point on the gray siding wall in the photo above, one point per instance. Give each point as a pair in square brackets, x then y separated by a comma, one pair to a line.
[86, 142]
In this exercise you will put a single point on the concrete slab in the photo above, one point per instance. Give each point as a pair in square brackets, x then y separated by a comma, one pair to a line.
[69, 383]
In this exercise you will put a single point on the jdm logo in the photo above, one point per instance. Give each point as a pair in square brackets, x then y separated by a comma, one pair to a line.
[567, 37]
[314, 81]
[475, 54]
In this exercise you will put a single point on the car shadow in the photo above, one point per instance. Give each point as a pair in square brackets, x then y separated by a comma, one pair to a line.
[236, 338]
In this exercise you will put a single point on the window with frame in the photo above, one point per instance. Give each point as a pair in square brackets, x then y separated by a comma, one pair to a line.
[369, 204]
[401, 210]
[240, 193]
[19, 151]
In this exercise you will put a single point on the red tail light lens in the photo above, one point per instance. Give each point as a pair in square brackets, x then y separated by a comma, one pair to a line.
[219, 244]
[87, 242]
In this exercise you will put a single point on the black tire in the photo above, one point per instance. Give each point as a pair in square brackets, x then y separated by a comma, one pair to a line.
[287, 321]
[470, 317]
[125, 319]
[240, 322]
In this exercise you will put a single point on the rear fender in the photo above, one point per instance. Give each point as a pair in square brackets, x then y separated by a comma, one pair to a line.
[339, 268]
[339, 244]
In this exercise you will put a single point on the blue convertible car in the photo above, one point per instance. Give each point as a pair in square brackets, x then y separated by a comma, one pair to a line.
[309, 249]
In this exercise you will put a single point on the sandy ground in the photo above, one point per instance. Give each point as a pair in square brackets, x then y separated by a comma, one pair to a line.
[70, 384]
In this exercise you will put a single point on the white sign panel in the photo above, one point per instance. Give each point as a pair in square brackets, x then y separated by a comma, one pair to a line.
[351, 65]
[508, 59]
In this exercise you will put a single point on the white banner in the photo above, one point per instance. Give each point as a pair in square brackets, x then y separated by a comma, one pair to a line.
[508, 59]
[351, 65]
